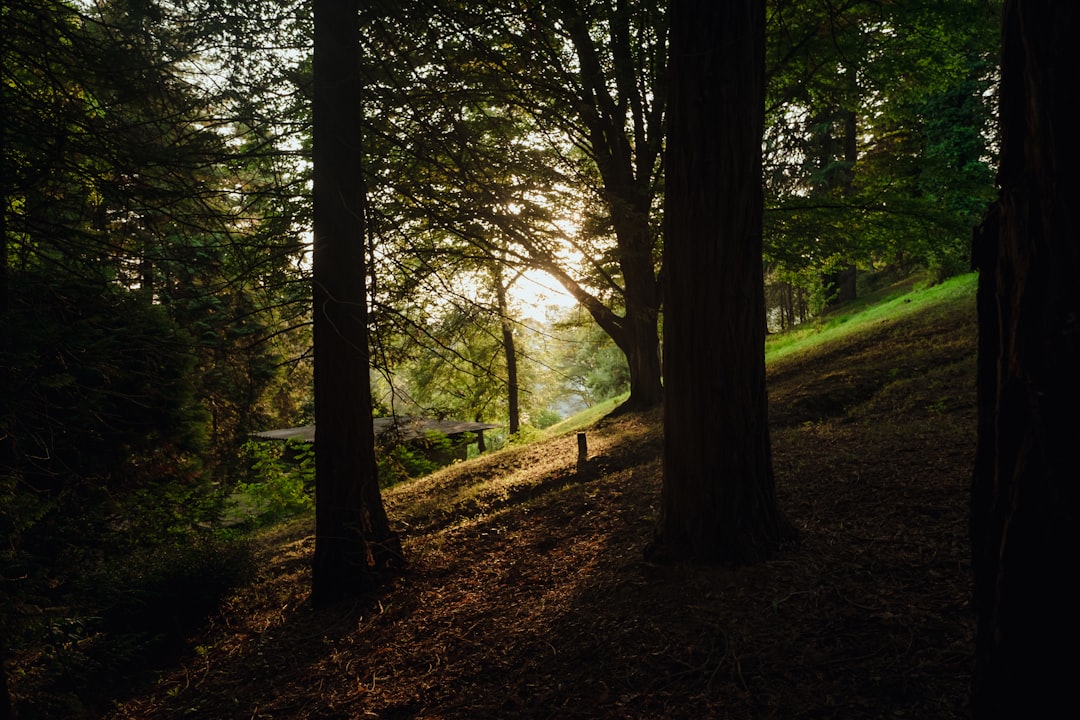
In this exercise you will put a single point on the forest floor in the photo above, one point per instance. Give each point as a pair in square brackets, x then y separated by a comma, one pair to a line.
[527, 594]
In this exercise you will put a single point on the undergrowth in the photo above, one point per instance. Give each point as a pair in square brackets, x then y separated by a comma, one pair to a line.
[100, 637]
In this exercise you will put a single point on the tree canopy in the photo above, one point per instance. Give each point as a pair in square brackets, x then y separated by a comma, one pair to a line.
[156, 279]
[879, 134]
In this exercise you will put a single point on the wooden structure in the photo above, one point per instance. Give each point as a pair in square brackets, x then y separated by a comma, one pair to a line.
[403, 430]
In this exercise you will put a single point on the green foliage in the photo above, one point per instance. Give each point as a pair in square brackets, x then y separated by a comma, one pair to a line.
[102, 632]
[585, 418]
[281, 482]
[100, 465]
[142, 268]
[98, 412]
[168, 590]
[451, 363]
[399, 460]
[884, 305]
[589, 363]
[118, 170]
[880, 136]
[542, 145]
[544, 418]
[402, 462]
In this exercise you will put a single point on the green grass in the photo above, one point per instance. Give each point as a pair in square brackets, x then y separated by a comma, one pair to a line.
[584, 418]
[888, 304]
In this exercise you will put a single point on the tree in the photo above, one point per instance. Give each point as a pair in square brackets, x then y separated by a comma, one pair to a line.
[718, 500]
[509, 122]
[878, 136]
[139, 274]
[121, 259]
[588, 363]
[620, 125]
[509, 348]
[453, 365]
[1025, 484]
[353, 542]
[119, 168]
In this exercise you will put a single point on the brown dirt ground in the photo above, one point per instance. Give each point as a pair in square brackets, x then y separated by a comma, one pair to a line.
[527, 594]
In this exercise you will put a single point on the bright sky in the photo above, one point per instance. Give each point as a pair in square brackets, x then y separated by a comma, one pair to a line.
[537, 291]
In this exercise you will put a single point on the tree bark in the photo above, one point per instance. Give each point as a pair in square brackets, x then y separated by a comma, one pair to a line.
[641, 340]
[1024, 495]
[510, 352]
[718, 501]
[353, 542]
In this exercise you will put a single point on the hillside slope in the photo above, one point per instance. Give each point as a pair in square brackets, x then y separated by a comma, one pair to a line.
[527, 595]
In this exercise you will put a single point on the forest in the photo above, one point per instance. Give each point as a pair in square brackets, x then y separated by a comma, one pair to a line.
[602, 217]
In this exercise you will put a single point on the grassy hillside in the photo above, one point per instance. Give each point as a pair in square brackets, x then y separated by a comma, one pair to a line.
[527, 595]
[891, 304]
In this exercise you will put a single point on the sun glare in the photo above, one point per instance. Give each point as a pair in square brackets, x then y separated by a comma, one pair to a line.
[537, 293]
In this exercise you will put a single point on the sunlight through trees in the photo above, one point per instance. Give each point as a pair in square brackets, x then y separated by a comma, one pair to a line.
[195, 250]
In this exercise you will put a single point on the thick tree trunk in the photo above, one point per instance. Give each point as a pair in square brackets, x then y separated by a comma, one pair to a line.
[4, 271]
[641, 343]
[718, 501]
[1024, 496]
[353, 542]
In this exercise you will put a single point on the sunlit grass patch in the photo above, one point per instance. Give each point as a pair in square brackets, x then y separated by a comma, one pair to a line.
[885, 306]
[584, 418]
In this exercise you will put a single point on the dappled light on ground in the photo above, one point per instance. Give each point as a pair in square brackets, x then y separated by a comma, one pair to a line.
[527, 594]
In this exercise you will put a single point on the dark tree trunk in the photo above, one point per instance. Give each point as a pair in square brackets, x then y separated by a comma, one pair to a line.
[510, 352]
[718, 502]
[1024, 496]
[840, 286]
[642, 344]
[3, 256]
[7, 448]
[353, 542]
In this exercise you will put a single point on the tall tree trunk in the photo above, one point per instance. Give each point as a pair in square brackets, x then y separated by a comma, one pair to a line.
[7, 442]
[718, 501]
[4, 269]
[1026, 482]
[641, 345]
[510, 352]
[840, 284]
[353, 542]
[641, 341]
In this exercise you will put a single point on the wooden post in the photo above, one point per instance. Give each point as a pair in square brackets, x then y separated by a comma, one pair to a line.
[582, 451]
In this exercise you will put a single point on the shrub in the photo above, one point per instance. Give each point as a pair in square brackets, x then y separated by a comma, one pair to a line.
[281, 485]
[100, 635]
